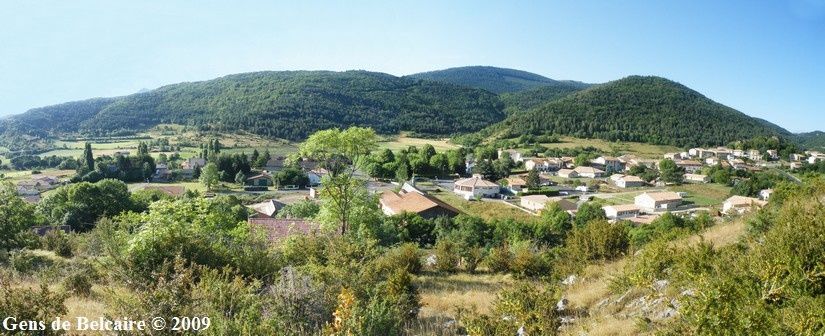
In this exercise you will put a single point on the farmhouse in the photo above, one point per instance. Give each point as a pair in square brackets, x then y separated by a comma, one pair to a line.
[621, 211]
[568, 173]
[475, 187]
[417, 202]
[534, 203]
[193, 163]
[266, 209]
[658, 201]
[260, 180]
[590, 172]
[629, 181]
[696, 178]
[739, 204]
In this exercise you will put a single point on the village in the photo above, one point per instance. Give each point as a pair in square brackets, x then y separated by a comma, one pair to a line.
[614, 182]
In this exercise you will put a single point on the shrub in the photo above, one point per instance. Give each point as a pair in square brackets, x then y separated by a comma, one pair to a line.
[499, 259]
[405, 256]
[472, 257]
[446, 256]
[78, 282]
[31, 304]
[28, 262]
[598, 240]
[527, 260]
[58, 242]
[525, 305]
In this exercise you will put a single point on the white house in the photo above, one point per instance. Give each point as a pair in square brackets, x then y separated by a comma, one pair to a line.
[621, 211]
[712, 161]
[739, 204]
[773, 154]
[690, 166]
[754, 154]
[476, 187]
[590, 172]
[629, 181]
[696, 178]
[542, 164]
[534, 203]
[816, 157]
[514, 154]
[316, 175]
[658, 201]
[568, 173]
[608, 163]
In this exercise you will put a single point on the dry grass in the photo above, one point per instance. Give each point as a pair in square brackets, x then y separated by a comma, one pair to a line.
[593, 285]
[720, 234]
[441, 295]
[604, 325]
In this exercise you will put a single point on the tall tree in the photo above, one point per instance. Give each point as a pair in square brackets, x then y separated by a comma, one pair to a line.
[88, 157]
[340, 152]
[670, 172]
[533, 179]
[210, 176]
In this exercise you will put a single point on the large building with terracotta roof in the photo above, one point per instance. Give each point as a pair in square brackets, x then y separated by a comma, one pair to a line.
[658, 201]
[426, 206]
[476, 187]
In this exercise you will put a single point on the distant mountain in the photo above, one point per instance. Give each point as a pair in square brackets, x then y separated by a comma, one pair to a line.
[644, 109]
[811, 140]
[289, 104]
[496, 80]
[293, 104]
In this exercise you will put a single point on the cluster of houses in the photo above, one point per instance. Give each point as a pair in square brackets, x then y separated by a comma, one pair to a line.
[647, 206]
[31, 189]
[309, 167]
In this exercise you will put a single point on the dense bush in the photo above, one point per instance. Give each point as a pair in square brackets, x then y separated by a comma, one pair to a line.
[58, 242]
[30, 304]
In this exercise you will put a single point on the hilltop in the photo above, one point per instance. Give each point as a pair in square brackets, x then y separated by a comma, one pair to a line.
[497, 80]
[285, 104]
[642, 109]
[446, 103]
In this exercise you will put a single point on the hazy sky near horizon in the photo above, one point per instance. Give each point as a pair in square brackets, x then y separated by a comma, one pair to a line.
[764, 58]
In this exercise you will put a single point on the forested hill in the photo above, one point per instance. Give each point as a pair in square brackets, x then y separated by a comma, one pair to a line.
[289, 104]
[497, 80]
[812, 140]
[644, 109]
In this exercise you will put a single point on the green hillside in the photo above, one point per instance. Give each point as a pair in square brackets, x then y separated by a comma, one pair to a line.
[528, 99]
[286, 105]
[641, 109]
[812, 140]
[497, 80]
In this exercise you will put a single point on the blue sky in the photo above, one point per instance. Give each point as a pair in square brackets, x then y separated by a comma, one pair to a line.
[764, 58]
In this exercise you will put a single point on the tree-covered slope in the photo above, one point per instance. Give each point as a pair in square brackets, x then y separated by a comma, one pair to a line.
[528, 99]
[497, 80]
[288, 104]
[811, 140]
[642, 109]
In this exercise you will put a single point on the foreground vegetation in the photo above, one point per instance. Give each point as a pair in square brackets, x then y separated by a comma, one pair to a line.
[144, 254]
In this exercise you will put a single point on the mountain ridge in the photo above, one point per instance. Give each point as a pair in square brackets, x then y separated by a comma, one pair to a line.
[292, 104]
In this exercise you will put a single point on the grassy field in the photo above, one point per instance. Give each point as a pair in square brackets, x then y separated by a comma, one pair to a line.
[441, 296]
[403, 141]
[484, 209]
[708, 194]
[640, 149]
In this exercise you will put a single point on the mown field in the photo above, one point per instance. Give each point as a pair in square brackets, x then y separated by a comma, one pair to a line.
[640, 149]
